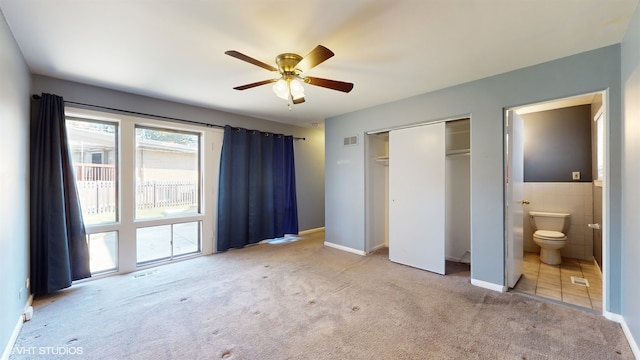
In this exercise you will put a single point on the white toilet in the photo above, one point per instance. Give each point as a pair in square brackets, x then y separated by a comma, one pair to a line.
[549, 233]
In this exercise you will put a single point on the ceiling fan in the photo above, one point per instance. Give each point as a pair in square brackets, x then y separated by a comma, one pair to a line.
[290, 68]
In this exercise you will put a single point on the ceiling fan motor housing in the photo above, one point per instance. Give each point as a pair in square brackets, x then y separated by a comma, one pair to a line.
[287, 63]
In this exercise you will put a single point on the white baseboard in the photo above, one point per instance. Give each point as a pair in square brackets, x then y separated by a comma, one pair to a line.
[376, 248]
[613, 316]
[488, 285]
[16, 331]
[12, 340]
[455, 259]
[625, 329]
[344, 248]
[632, 342]
[310, 231]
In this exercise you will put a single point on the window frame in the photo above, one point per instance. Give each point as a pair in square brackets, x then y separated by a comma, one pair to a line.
[209, 149]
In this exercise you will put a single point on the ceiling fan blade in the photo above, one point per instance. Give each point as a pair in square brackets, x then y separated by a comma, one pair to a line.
[329, 84]
[298, 101]
[315, 57]
[249, 86]
[243, 57]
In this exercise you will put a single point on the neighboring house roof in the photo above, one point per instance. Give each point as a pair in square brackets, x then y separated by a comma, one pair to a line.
[93, 140]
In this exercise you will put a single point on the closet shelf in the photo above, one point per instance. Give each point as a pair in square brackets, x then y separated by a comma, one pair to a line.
[384, 159]
[459, 152]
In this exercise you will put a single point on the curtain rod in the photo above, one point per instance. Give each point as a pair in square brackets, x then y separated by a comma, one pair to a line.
[37, 97]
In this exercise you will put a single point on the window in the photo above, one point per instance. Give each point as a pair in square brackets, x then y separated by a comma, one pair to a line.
[96, 180]
[103, 251]
[167, 173]
[96, 158]
[140, 183]
[166, 242]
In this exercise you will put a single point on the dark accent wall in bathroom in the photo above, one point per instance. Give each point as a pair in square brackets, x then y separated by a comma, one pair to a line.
[557, 143]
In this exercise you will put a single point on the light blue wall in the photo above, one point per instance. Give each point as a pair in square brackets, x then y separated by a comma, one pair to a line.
[309, 154]
[485, 100]
[14, 183]
[631, 240]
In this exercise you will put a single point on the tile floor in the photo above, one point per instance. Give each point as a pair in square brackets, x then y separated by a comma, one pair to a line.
[554, 281]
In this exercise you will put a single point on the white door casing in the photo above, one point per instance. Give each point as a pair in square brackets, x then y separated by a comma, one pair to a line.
[514, 202]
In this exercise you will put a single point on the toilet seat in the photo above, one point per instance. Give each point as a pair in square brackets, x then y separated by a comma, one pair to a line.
[549, 235]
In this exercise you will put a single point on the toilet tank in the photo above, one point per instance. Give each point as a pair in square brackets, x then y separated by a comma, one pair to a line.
[544, 220]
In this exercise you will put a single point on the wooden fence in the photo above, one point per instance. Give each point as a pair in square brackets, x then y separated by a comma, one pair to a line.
[163, 194]
[94, 172]
[98, 197]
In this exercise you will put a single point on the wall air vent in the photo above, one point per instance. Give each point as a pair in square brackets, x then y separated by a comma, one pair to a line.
[143, 274]
[351, 140]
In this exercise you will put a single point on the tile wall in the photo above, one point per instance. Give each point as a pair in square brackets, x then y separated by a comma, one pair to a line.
[573, 198]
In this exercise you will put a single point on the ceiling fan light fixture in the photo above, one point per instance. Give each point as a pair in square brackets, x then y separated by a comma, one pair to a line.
[281, 89]
[291, 66]
[297, 91]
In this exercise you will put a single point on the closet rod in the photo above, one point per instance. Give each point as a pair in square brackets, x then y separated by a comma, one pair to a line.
[37, 97]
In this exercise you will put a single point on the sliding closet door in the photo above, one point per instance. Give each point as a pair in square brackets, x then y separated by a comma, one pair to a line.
[417, 197]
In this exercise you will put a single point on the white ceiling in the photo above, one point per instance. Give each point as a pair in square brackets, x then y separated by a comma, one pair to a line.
[390, 49]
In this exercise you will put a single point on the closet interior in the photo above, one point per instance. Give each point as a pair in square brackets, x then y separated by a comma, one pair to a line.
[456, 189]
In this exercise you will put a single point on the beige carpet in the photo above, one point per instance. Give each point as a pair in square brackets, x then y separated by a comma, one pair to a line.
[302, 300]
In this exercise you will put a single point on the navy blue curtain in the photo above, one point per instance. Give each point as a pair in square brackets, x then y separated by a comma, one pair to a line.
[257, 190]
[59, 252]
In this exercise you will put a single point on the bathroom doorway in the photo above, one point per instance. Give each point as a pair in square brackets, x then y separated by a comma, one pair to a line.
[564, 157]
